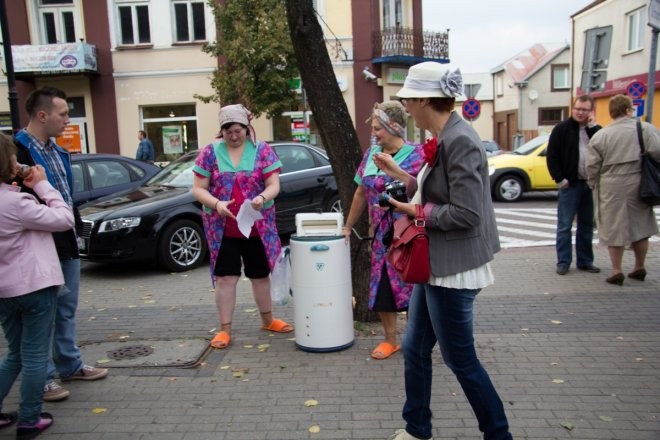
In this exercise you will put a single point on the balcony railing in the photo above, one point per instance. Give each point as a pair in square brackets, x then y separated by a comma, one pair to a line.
[406, 42]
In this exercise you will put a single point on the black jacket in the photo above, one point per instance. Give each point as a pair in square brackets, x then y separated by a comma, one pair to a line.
[563, 153]
[66, 242]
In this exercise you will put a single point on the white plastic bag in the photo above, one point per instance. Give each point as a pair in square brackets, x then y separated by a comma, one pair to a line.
[280, 279]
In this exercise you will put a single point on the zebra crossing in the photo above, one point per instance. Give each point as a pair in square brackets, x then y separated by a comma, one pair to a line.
[527, 227]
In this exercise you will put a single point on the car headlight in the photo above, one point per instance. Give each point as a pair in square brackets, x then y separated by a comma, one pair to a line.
[119, 223]
[491, 169]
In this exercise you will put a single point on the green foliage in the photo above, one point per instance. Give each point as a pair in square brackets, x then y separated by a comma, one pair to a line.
[258, 59]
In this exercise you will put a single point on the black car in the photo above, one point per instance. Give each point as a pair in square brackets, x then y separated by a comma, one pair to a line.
[98, 175]
[161, 221]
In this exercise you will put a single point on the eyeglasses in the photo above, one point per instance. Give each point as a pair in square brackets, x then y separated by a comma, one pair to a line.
[581, 109]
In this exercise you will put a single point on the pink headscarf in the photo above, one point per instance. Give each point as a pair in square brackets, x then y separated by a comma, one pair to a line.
[237, 113]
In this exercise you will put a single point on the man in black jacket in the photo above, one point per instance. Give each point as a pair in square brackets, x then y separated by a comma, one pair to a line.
[49, 115]
[566, 159]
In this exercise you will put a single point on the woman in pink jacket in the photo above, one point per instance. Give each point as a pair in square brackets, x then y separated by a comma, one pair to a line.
[31, 275]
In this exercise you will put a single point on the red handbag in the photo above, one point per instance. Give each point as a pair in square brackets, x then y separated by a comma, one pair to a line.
[409, 251]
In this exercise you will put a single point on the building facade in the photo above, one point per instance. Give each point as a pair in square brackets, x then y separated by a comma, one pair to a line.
[130, 65]
[612, 53]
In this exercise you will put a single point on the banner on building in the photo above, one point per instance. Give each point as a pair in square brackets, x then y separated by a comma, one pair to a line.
[44, 58]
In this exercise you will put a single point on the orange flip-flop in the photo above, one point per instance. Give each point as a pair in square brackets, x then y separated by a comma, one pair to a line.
[384, 350]
[279, 326]
[221, 340]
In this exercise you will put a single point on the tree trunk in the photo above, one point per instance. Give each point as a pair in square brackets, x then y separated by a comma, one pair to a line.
[337, 131]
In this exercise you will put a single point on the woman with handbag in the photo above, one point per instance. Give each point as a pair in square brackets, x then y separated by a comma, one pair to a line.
[614, 171]
[388, 293]
[454, 191]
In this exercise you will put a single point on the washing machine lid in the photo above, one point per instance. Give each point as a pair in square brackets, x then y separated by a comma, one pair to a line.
[319, 224]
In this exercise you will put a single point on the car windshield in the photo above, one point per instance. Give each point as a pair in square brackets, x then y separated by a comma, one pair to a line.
[530, 146]
[178, 174]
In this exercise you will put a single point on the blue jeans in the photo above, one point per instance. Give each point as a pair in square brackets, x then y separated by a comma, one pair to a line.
[66, 358]
[575, 200]
[443, 315]
[27, 321]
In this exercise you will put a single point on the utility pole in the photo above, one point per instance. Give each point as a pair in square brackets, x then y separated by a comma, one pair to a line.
[9, 66]
[654, 23]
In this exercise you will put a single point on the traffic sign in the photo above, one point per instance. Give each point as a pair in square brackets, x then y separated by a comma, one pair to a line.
[636, 89]
[471, 109]
[638, 105]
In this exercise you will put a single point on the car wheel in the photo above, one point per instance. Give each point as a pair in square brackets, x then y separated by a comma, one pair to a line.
[509, 189]
[334, 204]
[182, 246]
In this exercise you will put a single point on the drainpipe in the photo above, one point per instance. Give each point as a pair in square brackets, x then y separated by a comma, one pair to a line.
[518, 137]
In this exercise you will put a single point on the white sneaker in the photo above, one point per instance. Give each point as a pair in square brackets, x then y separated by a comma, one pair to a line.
[53, 392]
[402, 434]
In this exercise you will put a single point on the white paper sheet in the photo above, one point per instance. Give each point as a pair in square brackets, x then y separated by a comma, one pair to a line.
[246, 217]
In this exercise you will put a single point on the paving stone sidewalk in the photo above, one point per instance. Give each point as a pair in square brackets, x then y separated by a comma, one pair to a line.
[571, 356]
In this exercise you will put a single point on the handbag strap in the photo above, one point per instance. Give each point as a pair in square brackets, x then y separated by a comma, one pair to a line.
[640, 137]
[420, 223]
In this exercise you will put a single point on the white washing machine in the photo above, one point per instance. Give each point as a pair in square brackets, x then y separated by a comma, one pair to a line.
[321, 284]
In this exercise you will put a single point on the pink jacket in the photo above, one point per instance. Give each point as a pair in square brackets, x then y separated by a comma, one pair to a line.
[28, 259]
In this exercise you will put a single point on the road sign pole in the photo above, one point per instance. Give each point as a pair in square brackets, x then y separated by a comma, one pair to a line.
[650, 84]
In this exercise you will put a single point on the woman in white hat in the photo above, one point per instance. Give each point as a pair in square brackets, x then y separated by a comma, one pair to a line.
[454, 190]
[232, 170]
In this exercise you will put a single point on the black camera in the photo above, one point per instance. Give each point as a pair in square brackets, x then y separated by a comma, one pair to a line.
[395, 189]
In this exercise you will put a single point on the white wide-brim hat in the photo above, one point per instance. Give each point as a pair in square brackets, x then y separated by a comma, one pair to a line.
[432, 80]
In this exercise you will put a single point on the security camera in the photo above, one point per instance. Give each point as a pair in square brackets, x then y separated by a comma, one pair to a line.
[368, 75]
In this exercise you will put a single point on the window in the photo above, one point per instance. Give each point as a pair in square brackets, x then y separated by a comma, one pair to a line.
[392, 13]
[559, 77]
[636, 22]
[133, 23]
[189, 21]
[552, 115]
[164, 123]
[58, 21]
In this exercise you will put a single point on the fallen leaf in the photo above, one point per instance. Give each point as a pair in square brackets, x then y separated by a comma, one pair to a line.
[605, 418]
[263, 347]
[124, 337]
[557, 381]
[225, 367]
[146, 297]
[150, 301]
[103, 361]
[101, 309]
[250, 310]
[554, 321]
[567, 425]
[315, 429]
[554, 363]
[132, 306]
[311, 402]
[99, 410]
[639, 359]
[524, 329]
[248, 346]
[171, 309]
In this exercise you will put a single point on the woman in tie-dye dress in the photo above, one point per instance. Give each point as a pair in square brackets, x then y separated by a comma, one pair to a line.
[388, 294]
[232, 170]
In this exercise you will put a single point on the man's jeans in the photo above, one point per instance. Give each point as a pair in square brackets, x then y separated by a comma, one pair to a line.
[27, 321]
[443, 315]
[66, 354]
[575, 200]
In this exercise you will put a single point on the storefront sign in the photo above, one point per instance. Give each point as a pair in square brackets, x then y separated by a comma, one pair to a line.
[70, 139]
[71, 57]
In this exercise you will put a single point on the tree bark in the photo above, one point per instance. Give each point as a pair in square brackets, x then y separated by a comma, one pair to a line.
[337, 131]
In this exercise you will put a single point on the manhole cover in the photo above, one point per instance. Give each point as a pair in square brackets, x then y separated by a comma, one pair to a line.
[130, 352]
[178, 353]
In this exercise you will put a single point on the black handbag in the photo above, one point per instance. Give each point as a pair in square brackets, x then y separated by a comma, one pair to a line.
[649, 183]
